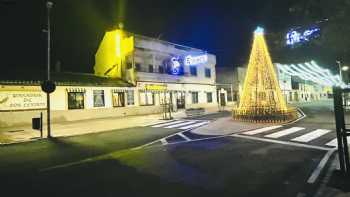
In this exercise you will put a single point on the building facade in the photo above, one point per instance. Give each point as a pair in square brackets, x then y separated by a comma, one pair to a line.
[170, 73]
[161, 73]
[225, 86]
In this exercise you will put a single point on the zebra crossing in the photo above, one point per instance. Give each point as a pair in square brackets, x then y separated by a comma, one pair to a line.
[181, 124]
[296, 134]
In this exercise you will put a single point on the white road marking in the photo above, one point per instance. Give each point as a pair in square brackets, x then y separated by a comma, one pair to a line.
[195, 125]
[303, 115]
[158, 122]
[262, 130]
[334, 142]
[168, 123]
[180, 124]
[312, 135]
[320, 166]
[163, 141]
[184, 136]
[284, 132]
[281, 142]
[157, 140]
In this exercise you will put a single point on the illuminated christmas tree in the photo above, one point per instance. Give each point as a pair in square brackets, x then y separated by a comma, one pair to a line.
[262, 99]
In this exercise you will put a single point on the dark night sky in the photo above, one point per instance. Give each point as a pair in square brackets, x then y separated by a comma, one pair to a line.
[220, 27]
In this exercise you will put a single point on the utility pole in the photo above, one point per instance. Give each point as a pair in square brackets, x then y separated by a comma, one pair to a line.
[340, 71]
[49, 5]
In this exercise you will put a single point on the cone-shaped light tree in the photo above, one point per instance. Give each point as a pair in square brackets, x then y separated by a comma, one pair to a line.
[262, 99]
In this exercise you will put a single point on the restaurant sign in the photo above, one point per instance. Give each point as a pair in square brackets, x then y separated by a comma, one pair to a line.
[156, 87]
[19, 100]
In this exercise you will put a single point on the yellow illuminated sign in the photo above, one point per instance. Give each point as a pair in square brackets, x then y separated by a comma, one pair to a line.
[156, 87]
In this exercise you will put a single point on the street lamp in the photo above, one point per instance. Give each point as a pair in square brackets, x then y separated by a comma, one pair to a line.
[341, 68]
[49, 5]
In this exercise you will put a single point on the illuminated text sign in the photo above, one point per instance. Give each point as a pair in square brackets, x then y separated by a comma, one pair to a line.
[297, 36]
[194, 60]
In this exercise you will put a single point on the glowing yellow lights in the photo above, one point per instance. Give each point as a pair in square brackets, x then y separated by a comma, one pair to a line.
[110, 58]
[261, 98]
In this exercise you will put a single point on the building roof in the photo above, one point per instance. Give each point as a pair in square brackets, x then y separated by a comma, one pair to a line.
[61, 79]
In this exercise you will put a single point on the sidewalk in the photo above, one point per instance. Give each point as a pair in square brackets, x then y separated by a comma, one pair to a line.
[333, 184]
[26, 133]
[71, 128]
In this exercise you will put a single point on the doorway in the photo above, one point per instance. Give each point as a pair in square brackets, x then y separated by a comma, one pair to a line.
[180, 100]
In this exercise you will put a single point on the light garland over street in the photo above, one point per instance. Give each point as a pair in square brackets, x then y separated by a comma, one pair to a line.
[313, 72]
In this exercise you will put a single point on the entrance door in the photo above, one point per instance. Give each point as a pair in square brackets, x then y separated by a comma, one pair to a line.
[180, 100]
[222, 99]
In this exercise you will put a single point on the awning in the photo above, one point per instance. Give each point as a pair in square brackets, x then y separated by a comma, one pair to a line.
[116, 90]
[76, 90]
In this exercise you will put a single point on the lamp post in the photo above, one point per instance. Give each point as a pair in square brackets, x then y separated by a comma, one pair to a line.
[341, 68]
[340, 73]
[49, 5]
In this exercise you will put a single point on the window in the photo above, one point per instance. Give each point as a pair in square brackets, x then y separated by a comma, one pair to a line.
[146, 98]
[193, 70]
[160, 69]
[118, 99]
[138, 66]
[99, 98]
[130, 97]
[75, 100]
[207, 72]
[194, 97]
[164, 98]
[150, 68]
[128, 65]
[229, 95]
[209, 97]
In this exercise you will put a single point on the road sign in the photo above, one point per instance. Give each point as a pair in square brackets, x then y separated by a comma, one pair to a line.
[48, 86]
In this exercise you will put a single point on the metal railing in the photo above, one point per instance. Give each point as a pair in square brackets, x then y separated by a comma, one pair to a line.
[340, 106]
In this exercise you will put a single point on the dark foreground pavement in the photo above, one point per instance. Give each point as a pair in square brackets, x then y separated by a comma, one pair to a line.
[222, 167]
[105, 164]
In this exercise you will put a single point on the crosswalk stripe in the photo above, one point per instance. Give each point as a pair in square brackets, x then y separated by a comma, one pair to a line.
[312, 135]
[261, 130]
[334, 142]
[184, 136]
[168, 123]
[194, 125]
[284, 132]
[180, 124]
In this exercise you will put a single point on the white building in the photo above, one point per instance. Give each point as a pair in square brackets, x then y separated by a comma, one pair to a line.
[187, 74]
[293, 88]
[181, 76]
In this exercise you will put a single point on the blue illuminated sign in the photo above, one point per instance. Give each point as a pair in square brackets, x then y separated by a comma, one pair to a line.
[174, 66]
[296, 36]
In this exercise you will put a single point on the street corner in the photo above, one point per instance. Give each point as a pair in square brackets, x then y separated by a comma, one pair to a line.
[227, 126]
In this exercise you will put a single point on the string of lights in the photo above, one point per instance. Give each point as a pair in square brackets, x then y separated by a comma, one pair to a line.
[311, 71]
[262, 99]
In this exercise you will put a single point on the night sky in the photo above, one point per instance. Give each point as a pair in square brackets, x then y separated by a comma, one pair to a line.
[224, 28]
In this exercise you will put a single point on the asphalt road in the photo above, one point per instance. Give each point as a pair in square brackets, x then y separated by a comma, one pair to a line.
[106, 164]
